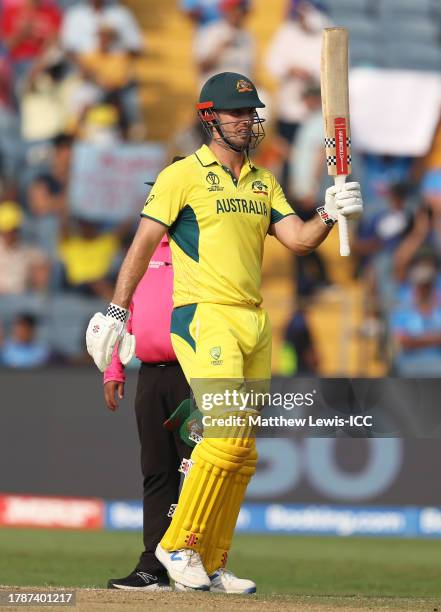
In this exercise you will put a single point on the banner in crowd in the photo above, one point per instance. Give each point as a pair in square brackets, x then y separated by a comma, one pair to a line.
[394, 112]
[108, 183]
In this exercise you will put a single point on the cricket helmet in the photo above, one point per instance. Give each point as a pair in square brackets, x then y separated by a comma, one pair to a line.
[229, 91]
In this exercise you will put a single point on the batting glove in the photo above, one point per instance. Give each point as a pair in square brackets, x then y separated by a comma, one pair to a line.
[104, 331]
[347, 201]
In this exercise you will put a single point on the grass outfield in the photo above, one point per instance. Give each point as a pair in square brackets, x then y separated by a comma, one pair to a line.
[353, 568]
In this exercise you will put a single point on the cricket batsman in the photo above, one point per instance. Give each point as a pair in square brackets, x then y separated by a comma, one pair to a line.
[217, 208]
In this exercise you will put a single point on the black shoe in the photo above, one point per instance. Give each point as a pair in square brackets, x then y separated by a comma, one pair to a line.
[140, 581]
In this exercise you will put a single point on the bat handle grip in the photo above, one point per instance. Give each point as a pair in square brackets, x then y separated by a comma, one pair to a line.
[343, 231]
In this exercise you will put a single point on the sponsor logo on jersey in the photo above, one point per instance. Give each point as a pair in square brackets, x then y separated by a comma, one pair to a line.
[213, 180]
[251, 207]
[259, 187]
[149, 199]
[243, 86]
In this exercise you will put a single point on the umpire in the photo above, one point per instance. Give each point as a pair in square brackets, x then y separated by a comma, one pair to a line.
[161, 388]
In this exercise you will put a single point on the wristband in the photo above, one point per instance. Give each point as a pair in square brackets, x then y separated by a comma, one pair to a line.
[327, 220]
[117, 312]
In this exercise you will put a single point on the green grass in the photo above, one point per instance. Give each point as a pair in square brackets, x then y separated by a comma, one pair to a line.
[279, 564]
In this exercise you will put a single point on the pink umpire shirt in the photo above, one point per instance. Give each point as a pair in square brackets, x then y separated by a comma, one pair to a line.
[150, 317]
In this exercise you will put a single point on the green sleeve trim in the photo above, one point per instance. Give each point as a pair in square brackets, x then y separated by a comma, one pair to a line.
[276, 216]
[154, 219]
[185, 232]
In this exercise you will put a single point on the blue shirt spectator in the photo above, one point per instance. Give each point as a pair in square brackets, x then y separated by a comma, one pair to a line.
[202, 11]
[416, 327]
[22, 349]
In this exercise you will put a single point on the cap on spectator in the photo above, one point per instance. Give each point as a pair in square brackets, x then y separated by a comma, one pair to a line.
[102, 115]
[11, 216]
[227, 5]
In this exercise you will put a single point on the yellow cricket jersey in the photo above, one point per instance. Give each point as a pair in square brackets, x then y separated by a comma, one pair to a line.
[217, 226]
[87, 261]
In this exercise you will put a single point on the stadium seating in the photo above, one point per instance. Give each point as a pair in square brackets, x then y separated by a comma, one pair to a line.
[406, 7]
[12, 305]
[412, 30]
[360, 27]
[364, 39]
[413, 56]
[68, 317]
[347, 6]
[365, 53]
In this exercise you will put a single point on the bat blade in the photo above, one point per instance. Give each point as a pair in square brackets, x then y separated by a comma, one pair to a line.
[335, 104]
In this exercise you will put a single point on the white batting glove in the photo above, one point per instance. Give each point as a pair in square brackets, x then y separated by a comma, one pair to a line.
[347, 201]
[104, 331]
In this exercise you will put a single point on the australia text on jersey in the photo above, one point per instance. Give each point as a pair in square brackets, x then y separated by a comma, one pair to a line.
[254, 207]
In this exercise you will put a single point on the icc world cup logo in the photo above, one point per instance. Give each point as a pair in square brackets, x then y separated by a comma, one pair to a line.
[212, 178]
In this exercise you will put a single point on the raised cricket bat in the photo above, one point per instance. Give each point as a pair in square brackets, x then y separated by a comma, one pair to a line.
[335, 104]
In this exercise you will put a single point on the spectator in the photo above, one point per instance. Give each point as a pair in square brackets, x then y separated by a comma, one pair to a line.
[293, 59]
[22, 267]
[225, 46]
[109, 66]
[380, 171]
[9, 122]
[48, 195]
[27, 28]
[6, 82]
[46, 97]
[299, 356]
[202, 12]
[378, 238]
[88, 257]
[383, 232]
[101, 124]
[81, 23]
[307, 160]
[307, 165]
[22, 349]
[111, 69]
[416, 327]
[425, 232]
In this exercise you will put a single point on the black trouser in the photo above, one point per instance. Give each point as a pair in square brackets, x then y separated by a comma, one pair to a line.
[160, 390]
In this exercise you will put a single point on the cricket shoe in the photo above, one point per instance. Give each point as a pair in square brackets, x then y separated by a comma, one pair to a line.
[224, 581]
[185, 567]
[140, 581]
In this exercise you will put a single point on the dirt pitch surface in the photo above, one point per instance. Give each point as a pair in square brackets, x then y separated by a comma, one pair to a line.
[101, 600]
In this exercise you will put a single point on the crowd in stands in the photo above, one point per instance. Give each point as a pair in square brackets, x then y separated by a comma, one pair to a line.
[69, 74]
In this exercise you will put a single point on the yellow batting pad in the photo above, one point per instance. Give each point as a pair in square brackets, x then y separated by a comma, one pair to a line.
[218, 542]
[217, 462]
